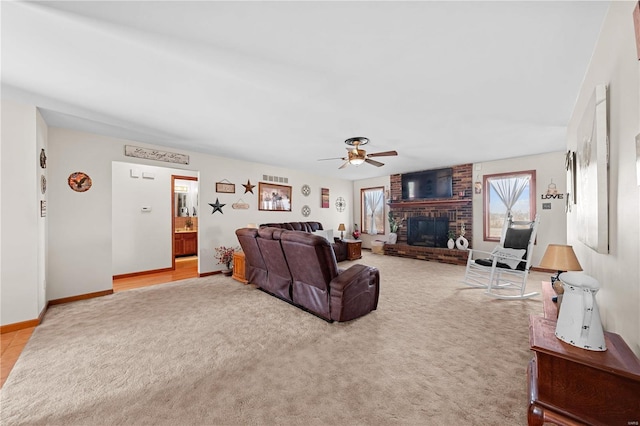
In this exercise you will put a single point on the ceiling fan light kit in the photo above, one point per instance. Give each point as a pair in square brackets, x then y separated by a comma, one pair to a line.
[357, 156]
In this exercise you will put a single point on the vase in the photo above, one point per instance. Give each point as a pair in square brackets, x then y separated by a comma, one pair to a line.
[393, 238]
[451, 244]
[462, 243]
[227, 272]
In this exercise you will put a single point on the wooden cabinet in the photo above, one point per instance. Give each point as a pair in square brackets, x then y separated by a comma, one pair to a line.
[354, 249]
[569, 385]
[185, 243]
[239, 267]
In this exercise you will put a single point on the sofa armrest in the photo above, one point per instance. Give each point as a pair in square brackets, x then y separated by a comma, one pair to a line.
[354, 292]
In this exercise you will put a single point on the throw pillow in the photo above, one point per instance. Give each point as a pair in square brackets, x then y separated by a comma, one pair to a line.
[500, 252]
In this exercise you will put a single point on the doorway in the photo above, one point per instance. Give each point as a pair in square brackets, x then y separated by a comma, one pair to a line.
[184, 222]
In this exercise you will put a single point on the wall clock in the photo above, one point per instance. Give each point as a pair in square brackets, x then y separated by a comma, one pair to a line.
[306, 190]
[43, 184]
[306, 211]
[79, 181]
[340, 204]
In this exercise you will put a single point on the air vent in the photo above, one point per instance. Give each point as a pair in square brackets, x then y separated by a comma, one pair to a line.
[275, 179]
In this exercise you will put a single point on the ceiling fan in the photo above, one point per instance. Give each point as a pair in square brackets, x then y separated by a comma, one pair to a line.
[357, 156]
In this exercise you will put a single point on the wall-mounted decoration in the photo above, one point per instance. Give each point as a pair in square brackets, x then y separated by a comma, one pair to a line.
[43, 159]
[636, 26]
[155, 154]
[306, 190]
[591, 173]
[477, 186]
[552, 192]
[43, 208]
[248, 187]
[274, 197]
[79, 181]
[570, 166]
[225, 187]
[43, 184]
[306, 211]
[217, 207]
[340, 204]
[240, 204]
[638, 157]
[324, 198]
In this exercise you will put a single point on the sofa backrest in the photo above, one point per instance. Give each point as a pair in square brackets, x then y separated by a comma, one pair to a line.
[295, 226]
[255, 268]
[313, 265]
[278, 275]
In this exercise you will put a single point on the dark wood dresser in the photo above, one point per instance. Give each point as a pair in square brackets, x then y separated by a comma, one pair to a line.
[574, 386]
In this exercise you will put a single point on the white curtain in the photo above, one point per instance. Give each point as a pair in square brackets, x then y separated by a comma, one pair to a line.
[373, 202]
[509, 189]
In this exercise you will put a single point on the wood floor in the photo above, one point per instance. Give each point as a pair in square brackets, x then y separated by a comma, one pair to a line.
[12, 343]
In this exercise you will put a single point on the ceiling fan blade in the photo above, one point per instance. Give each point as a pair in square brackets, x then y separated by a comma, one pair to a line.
[344, 165]
[374, 162]
[383, 154]
[334, 158]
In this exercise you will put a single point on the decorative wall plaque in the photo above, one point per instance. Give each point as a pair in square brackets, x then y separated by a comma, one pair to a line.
[226, 187]
[155, 154]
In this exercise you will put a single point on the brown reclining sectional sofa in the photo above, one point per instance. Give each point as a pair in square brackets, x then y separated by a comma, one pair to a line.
[301, 268]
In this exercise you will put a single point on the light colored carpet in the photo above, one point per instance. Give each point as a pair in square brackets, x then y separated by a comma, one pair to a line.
[214, 351]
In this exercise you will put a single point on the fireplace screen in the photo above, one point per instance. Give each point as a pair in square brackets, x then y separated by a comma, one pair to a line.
[427, 231]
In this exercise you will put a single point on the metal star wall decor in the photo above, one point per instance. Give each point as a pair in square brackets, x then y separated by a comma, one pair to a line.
[248, 187]
[217, 207]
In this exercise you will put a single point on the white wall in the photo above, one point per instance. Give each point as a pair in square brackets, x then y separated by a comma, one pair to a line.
[615, 64]
[357, 210]
[20, 220]
[142, 240]
[84, 220]
[43, 235]
[553, 223]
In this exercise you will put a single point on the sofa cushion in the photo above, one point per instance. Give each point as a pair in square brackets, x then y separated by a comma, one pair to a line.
[278, 280]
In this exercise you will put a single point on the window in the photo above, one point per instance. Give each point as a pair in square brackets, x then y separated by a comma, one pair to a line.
[372, 208]
[501, 191]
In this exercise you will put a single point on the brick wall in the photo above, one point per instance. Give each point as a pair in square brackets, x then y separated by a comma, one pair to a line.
[458, 210]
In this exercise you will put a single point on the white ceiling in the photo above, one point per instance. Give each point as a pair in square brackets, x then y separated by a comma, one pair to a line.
[285, 83]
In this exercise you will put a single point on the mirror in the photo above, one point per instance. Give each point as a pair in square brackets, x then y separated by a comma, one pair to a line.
[186, 198]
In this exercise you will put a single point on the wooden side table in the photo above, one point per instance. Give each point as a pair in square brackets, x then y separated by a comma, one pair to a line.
[570, 385]
[239, 267]
[354, 249]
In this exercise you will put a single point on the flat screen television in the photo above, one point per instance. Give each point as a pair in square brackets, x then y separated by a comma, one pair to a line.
[427, 184]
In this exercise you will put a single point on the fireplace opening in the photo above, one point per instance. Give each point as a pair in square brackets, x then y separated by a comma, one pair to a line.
[427, 231]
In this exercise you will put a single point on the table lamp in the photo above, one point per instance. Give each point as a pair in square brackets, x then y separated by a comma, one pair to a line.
[560, 258]
[341, 228]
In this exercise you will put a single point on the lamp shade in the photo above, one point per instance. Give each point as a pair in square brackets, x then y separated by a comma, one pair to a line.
[341, 227]
[560, 258]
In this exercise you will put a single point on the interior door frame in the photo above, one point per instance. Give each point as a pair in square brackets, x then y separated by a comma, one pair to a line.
[173, 217]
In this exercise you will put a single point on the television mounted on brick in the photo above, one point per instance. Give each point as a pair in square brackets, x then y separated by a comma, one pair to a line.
[427, 184]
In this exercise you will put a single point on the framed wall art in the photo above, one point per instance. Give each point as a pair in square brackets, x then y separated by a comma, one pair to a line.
[274, 197]
[591, 173]
[325, 198]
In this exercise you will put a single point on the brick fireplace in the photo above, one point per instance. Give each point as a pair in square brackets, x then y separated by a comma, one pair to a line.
[458, 210]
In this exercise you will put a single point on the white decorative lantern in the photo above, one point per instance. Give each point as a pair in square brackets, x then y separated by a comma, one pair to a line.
[579, 319]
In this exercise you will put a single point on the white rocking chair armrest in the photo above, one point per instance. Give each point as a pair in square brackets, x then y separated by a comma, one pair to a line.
[483, 253]
[503, 255]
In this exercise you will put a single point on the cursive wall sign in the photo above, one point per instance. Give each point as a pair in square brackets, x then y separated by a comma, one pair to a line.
[154, 154]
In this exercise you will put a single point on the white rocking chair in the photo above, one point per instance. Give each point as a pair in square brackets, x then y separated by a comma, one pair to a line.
[507, 266]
